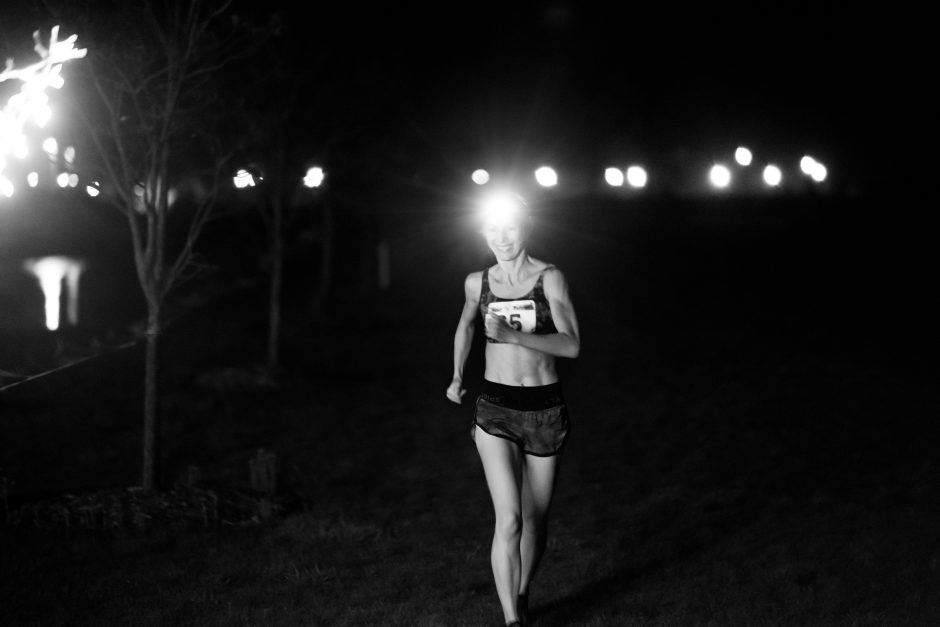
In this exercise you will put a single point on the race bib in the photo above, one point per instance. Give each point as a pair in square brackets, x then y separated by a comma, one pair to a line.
[520, 314]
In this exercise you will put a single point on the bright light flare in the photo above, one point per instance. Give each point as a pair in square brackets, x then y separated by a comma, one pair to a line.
[720, 176]
[63, 179]
[73, 180]
[502, 208]
[92, 191]
[814, 169]
[69, 154]
[480, 176]
[243, 179]
[6, 187]
[819, 173]
[772, 175]
[637, 176]
[614, 177]
[30, 104]
[743, 156]
[50, 146]
[50, 271]
[546, 176]
[41, 115]
[314, 177]
[807, 164]
[32, 179]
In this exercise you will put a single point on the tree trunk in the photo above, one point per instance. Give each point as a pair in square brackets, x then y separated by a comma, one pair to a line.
[326, 260]
[276, 283]
[148, 473]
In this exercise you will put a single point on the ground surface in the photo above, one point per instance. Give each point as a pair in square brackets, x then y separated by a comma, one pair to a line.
[754, 442]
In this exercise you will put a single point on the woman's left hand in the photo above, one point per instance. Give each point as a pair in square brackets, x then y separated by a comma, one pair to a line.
[497, 328]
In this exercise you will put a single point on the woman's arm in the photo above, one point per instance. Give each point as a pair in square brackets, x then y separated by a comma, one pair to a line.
[565, 343]
[463, 338]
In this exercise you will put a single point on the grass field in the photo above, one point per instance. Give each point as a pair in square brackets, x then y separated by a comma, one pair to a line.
[751, 445]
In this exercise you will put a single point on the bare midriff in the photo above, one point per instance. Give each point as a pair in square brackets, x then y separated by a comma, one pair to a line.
[511, 364]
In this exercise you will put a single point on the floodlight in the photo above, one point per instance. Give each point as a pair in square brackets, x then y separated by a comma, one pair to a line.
[243, 179]
[314, 177]
[819, 172]
[807, 164]
[546, 176]
[614, 177]
[636, 176]
[772, 175]
[720, 176]
[480, 176]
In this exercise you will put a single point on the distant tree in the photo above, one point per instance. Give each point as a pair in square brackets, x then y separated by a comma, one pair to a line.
[276, 152]
[152, 114]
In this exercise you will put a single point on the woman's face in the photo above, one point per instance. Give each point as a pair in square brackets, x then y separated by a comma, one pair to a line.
[506, 238]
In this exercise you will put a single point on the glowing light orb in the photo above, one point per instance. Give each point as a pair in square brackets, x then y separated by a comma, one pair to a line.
[50, 146]
[814, 169]
[69, 154]
[92, 190]
[480, 176]
[772, 175]
[819, 173]
[242, 179]
[42, 115]
[614, 177]
[50, 271]
[502, 208]
[743, 156]
[546, 176]
[314, 177]
[636, 176]
[63, 179]
[73, 180]
[32, 179]
[31, 103]
[720, 176]
[6, 187]
[807, 164]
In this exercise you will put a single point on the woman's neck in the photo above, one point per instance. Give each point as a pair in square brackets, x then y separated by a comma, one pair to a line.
[512, 269]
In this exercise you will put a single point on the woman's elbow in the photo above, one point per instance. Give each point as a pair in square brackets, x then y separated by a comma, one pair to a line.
[574, 349]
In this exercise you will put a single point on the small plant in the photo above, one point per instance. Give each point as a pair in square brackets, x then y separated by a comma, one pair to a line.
[263, 472]
[264, 480]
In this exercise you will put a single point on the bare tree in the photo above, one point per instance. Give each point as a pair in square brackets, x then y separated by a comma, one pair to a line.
[152, 119]
[271, 145]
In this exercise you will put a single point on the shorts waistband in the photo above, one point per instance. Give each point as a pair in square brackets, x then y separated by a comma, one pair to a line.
[523, 398]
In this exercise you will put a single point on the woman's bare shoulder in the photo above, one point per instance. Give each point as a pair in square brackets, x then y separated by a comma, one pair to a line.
[554, 279]
[472, 284]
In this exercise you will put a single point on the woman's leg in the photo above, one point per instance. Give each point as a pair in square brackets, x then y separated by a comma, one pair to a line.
[502, 465]
[538, 485]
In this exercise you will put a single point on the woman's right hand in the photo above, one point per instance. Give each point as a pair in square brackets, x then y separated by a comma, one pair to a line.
[455, 392]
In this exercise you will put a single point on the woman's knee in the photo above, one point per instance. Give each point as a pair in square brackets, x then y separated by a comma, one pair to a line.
[535, 520]
[509, 526]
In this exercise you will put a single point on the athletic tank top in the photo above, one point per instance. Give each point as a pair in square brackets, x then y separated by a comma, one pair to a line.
[529, 313]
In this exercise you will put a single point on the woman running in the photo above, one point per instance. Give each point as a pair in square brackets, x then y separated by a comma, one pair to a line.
[521, 420]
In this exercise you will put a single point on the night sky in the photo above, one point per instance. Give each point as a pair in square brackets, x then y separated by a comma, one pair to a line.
[452, 86]
[592, 83]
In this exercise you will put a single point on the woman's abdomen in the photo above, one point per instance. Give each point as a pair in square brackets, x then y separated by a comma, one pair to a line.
[510, 364]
